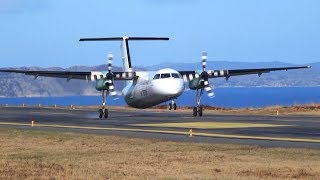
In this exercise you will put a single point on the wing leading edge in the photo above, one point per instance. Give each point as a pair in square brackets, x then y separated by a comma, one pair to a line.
[92, 76]
[189, 75]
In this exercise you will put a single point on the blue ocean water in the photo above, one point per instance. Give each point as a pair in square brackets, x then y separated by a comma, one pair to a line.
[224, 97]
[259, 96]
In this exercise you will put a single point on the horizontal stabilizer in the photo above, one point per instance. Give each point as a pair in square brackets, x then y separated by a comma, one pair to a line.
[124, 38]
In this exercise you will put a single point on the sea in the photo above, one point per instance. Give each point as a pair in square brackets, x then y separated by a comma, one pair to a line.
[234, 97]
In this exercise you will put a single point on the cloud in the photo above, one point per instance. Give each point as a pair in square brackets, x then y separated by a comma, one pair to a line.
[23, 6]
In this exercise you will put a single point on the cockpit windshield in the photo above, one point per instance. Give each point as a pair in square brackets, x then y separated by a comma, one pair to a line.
[167, 75]
[175, 75]
[157, 76]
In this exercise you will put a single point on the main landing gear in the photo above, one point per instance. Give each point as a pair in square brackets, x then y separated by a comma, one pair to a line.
[172, 105]
[103, 113]
[198, 110]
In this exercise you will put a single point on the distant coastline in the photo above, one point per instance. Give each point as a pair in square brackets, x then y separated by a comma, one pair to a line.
[235, 97]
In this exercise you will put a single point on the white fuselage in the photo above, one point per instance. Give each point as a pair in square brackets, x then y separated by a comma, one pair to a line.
[153, 88]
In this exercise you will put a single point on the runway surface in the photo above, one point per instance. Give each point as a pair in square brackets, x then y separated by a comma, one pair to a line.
[269, 131]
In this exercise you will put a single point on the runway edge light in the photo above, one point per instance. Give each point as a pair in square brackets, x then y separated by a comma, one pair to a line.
[32, 123]
[190, 133]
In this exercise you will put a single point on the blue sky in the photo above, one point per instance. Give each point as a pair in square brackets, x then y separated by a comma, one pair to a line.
[46, 33]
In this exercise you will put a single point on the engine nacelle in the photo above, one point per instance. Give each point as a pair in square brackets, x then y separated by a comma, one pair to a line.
[102, 84]
[199, 82]
[196, 83]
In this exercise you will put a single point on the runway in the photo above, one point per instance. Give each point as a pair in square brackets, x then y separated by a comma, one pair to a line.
[267, 131]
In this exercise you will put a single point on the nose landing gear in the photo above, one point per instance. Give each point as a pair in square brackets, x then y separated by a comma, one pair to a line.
[172, 105]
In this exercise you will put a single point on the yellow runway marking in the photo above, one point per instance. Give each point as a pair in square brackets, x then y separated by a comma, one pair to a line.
[214, 135]
[210, 125]
[288, 120]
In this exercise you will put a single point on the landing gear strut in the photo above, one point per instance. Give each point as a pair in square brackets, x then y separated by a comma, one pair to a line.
[197, 110]
[172, 105]
[103, 113]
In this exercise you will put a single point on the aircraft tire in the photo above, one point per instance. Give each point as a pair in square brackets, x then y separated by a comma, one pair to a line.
[195, 112]
[170, 106]
[174, 106]
[106, 113]
[100, 113]
[200, 111]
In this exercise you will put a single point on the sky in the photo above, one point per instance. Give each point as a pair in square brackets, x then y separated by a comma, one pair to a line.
[46, 33]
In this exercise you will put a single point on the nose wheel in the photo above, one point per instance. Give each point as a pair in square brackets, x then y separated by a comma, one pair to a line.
[198, 110]
[172, 105]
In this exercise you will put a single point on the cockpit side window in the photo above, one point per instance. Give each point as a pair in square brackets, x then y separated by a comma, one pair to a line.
[157, 76]
[165, 75]
[175, 75]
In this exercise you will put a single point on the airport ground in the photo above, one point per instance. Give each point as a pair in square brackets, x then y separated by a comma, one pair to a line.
[66, 144]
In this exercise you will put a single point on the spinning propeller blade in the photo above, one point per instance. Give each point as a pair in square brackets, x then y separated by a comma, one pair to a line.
[112, 91]
[204, 60]
[205, 75]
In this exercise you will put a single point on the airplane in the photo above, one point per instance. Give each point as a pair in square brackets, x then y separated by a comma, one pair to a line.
[145, 89]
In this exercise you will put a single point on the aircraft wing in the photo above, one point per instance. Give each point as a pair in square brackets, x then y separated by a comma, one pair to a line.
[189, 75]
[92, 76]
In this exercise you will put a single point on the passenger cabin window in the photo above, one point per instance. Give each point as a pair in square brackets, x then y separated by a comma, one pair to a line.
[175, 75]
[157, 76]
[165, 76]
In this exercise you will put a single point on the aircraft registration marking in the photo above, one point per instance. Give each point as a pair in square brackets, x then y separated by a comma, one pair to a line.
[186, 133]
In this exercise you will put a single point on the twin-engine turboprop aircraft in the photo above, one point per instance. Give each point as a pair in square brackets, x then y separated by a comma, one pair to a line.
[149, 88]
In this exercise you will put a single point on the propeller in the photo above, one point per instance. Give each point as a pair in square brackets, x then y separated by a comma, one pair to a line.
[109, 77]
[205, 75]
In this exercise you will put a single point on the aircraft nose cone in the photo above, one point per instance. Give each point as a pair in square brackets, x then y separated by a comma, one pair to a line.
[172, 88]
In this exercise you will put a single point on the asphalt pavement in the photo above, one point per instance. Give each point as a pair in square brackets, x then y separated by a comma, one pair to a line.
[267, 131]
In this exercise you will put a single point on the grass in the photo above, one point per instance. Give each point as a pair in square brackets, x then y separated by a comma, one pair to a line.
[304, 109]
[44, 155]
[307, 109]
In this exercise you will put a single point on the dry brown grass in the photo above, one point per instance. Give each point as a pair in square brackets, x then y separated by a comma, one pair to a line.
[44, 155]
[306, 109]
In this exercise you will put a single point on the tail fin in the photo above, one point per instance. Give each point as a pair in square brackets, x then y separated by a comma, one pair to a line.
[127, 66]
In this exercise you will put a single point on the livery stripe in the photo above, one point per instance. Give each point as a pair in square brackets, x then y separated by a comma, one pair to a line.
[190, 77]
